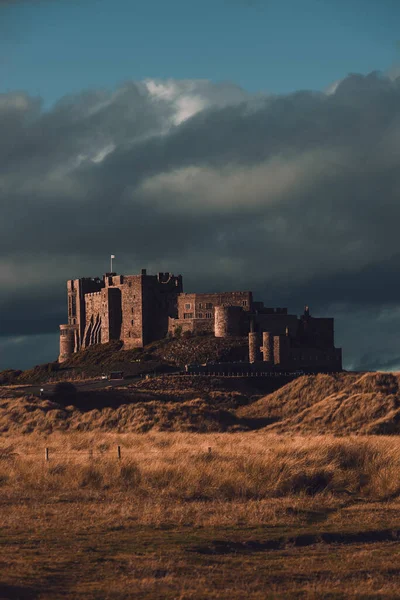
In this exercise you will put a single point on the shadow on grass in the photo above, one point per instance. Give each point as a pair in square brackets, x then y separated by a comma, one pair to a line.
[86, 401]
[299, 541]
[16, 592]
[257, 423]
[212, 412]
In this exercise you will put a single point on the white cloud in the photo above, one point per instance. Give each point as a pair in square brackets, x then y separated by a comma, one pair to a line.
[101, 154]
[14, 100]
[189, 97]
[394, 72]
[331, 89]
[229, 188]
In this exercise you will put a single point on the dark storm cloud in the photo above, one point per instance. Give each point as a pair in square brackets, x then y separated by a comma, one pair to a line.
[295, 197]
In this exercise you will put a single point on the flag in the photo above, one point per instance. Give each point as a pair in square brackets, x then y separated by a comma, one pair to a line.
[112, 255]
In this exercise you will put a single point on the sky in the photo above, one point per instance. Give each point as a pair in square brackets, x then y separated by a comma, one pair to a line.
[247, 144]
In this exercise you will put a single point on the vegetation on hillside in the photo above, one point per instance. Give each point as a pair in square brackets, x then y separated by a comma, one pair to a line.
[158, 356]
[361, 403]
[339, 404]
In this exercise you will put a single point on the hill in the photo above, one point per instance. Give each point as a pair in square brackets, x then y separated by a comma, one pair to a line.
[174, 403]
[159, 356]
[342, 403]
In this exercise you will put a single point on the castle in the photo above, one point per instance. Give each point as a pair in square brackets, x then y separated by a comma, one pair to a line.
[139, 309]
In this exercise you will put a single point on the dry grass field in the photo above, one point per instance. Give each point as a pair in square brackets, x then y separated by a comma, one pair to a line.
[259, 516]
[341, 404]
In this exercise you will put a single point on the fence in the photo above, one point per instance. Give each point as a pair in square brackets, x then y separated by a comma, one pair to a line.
[117, 453]
[272, 374]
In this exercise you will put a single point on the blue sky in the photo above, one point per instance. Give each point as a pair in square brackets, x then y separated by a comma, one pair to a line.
[57, 47]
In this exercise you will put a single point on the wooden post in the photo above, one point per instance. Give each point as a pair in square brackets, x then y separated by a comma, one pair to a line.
[46, 454]
[119, 452]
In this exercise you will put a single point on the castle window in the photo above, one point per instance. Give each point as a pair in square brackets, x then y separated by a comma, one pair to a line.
[132, 310]
[129, 334]
[200, 315]
[244, 302]
[208, 315]
[132, 322]
[187, 306]
[201, 305]
[188, 315]
[130, 283]
[209, 305]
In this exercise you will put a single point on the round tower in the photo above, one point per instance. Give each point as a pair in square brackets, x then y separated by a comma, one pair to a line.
[268, 347]
[254, 347]
[67, 342]
[227, 321]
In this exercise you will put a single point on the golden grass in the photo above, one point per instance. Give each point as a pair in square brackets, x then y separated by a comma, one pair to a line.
[95, 550]
[138, 413]
[172, 520]
[180, 468]
[263, 515]
[343, 403]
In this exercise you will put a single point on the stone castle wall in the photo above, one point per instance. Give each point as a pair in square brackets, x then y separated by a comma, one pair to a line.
[197, 312]
[132, 313]
[139, 309]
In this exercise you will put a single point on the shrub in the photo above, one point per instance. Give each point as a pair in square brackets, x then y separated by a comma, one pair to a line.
[130, 476]
[9, 376]
[90, 478]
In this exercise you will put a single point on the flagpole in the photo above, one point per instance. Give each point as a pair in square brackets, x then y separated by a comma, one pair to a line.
[111, 264]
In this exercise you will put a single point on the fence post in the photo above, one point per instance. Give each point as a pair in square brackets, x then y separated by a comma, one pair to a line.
[119, 452]
[46, 454]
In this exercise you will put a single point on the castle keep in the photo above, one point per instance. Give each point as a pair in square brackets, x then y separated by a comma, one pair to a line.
[139, 309]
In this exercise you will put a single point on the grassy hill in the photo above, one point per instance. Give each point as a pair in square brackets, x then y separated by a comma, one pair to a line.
[361, 403]
[163, 403]
[340, 404]
[158, 356]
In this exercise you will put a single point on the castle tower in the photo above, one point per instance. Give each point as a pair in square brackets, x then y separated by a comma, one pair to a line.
[68, 337]
[268, 347]
[254, 347]
[281, 350]
[228, 320]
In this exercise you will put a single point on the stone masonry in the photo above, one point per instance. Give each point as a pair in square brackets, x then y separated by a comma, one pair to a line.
[139, 309]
